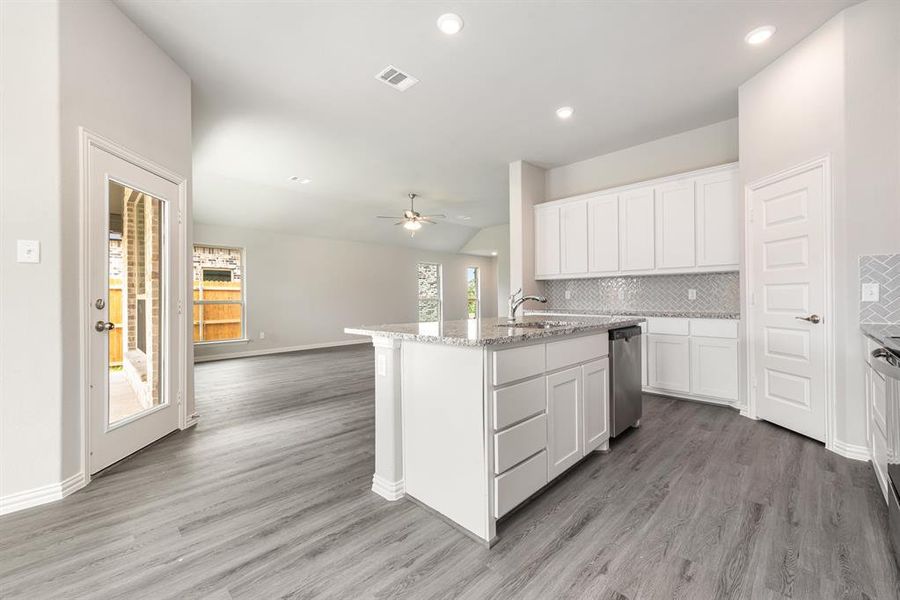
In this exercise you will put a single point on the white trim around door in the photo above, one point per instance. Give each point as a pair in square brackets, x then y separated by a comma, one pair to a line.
[181, 252]
[750, 274]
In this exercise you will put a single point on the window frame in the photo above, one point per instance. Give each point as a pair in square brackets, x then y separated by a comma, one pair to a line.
[477, 272]
[243, 338]
[440, 290]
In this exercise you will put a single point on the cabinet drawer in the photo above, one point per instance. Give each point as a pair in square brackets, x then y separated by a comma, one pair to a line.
[668, 326]
[715, 328]
[517, 402]
[516, 485]
[518, 443]
[518, 363]
[577, 350]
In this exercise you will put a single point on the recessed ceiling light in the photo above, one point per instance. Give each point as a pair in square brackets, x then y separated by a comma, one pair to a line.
[298, 179]
[450, 23]
[759, 35]
[464, 218]
[494, 253]
[564, 112]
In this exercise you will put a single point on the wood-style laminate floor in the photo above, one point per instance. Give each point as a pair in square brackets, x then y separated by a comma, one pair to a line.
[268, 497]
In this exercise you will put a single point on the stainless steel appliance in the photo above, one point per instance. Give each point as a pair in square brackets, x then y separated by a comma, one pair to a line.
[624, 379]
[887, 363]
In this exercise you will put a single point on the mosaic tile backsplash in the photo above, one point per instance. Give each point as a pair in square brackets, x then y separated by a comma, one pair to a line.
[716, 293]
[883, 269]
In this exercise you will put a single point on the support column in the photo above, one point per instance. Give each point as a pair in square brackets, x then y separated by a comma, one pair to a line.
[388, 479]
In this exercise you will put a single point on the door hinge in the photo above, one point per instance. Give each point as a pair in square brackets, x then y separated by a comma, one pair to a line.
[754, 383]
[179, 216]
[180, 306]
[750, 215]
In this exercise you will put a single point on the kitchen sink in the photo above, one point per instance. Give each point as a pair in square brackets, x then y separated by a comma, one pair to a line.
[537, 324]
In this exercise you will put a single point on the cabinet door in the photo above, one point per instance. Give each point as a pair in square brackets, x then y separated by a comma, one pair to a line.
[669, 362]
[573, 230]
[636, 230]
[564, 442]
[675, 225]
[595, 376]
[718, 210]
[603, 234]
[714, 366]
[546, 241]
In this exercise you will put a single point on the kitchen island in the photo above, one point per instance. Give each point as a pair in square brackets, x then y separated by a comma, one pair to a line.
[473, 417]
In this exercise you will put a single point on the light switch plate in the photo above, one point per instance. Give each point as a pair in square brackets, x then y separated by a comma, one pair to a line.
[692, 294]
[28, 251]
[870, 292]
[568, 294]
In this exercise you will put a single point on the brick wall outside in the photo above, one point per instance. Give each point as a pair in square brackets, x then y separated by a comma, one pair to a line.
[217, 258]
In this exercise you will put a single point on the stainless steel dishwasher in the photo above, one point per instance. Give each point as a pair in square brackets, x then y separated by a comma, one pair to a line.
[624, 379]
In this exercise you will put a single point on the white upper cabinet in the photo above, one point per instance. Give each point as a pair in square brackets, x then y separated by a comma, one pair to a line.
[718, 202]
[636, 230]
[603, 234]
[546, 241]
[675, 225]
[573, 231]
[686, 223]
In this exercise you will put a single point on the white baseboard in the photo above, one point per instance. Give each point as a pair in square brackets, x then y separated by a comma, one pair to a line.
[42, 495]
[851, 451]
[389, 490]
[248, 353]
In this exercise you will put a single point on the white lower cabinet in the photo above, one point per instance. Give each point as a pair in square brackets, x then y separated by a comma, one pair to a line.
[713, 372]
[546, 421]
[876, 403]
[564, 441]
[669, 362]
[595, 406]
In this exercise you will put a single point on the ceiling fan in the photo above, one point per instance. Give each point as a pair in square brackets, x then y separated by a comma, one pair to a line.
[412, 220]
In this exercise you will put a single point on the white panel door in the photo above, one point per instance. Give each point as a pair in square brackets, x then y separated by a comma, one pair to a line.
[675, 225]
[596, 403]
[714, 367]
[564, 440]
[718, 234]
[546, 241]
[669, 362]
[787, 264]
[636, 230]
[573, 231]
[603, 234]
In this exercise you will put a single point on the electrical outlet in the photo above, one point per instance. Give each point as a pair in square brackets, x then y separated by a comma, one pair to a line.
[870, 292]
[568, 294]
[262, 335]
[692, 294]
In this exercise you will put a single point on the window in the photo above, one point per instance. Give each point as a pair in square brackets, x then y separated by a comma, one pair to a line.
[429, 284]
[219, 307]
[473, 293]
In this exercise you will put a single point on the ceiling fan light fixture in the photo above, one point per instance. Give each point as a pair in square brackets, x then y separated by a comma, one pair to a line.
[412, 225]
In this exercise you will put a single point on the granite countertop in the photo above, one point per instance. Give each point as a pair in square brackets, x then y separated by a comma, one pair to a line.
[886, 334]
[636, 313]
[492, 331]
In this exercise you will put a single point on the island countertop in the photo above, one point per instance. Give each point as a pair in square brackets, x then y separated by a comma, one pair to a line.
[492, 331]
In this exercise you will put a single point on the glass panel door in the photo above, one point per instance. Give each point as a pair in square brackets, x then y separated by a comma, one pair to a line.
[134, 310]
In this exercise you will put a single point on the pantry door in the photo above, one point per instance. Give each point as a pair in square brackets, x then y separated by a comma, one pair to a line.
[788, 320]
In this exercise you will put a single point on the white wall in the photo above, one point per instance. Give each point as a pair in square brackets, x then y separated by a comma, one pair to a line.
[821, 98]
[494, 241]
[30, 311]
[526, 188]
[65, 65]
[708, 146]
[304, 291]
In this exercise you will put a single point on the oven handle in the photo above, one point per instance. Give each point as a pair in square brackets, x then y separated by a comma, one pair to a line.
[886, 363]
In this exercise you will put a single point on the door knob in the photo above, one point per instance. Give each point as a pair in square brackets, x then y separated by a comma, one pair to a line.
[814, 319]
[102, 326]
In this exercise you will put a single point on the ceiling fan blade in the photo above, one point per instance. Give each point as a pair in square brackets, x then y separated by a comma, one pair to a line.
[384, 217]
[435, 216]
[427, 220]
[400, 222]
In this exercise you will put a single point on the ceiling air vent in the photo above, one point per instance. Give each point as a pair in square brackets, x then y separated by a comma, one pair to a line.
[396, 78]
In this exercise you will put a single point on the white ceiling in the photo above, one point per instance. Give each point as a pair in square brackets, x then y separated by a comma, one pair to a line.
[288, 88]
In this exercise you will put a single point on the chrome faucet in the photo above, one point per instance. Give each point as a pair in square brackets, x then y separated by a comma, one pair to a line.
[515, 301]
